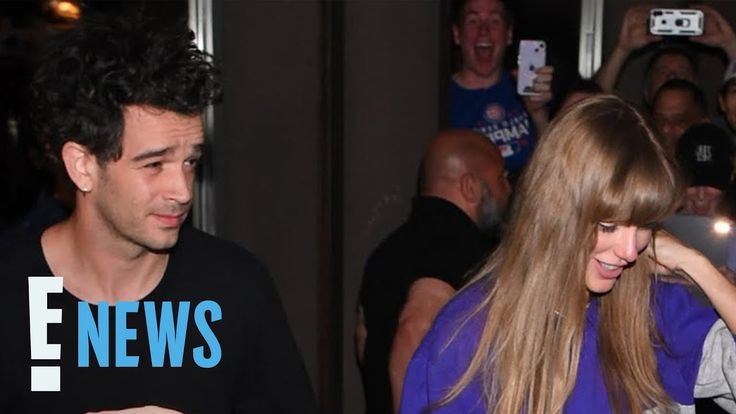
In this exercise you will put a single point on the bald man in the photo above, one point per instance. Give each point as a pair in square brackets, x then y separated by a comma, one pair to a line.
[416, 269]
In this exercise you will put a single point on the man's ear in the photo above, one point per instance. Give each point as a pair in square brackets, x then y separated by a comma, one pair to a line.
[456, 34]
[510, 35]
[721, 103]
[470, 189]
[80, 164]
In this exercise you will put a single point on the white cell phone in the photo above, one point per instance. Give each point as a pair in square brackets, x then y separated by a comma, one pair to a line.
[676, 22]
[532, 56]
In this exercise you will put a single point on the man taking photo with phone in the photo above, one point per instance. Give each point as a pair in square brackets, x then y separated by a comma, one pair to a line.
[483, 94]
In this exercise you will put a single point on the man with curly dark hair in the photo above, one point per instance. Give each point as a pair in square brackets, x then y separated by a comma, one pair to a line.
[119, 104]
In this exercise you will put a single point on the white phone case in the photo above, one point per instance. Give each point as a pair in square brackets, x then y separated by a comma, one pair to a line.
[676, 22]
[532, 55]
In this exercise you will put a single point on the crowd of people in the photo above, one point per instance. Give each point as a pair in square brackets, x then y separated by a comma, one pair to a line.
[581, 301]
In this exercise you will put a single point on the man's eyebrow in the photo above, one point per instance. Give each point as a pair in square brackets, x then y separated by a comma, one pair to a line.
[152, 154]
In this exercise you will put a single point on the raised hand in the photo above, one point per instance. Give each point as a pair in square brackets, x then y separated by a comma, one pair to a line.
[717, 32]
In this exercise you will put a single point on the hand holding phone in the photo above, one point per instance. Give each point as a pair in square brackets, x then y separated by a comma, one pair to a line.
[532, 56]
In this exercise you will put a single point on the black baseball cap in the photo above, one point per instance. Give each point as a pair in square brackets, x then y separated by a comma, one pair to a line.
[705, 154]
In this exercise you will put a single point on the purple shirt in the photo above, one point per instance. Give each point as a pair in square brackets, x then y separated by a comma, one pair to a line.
[438, 363]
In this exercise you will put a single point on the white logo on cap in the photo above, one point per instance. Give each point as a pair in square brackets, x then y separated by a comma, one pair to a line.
[703, 153]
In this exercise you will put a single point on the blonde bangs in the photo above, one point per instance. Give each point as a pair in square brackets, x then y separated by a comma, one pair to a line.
[628, 177]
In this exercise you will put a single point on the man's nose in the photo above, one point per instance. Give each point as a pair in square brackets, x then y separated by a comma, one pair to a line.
[701, 192]
[179, 186]
[668, 129]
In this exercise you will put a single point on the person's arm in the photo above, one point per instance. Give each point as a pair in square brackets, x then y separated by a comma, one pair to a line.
[361, 334]
[717, 32]
[676, 257]
[634, 35]
[425, 299]
[536, 105]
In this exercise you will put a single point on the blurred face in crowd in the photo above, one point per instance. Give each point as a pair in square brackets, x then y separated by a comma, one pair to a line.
[675, 111]
[702, 200]
[668, 66]
[482, 33]
[727, 102]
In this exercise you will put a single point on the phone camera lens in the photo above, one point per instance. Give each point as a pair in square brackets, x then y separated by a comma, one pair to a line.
[678, 22]
[536, 50]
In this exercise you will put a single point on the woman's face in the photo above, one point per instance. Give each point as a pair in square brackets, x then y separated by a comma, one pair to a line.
[616, 247]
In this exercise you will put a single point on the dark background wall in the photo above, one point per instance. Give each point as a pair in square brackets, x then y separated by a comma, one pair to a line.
[391, 109]
[266, 147]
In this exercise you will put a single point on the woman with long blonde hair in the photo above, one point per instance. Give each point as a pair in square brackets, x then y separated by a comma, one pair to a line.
[569, 314]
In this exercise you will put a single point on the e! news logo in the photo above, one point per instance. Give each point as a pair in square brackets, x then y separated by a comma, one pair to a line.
[164, 333]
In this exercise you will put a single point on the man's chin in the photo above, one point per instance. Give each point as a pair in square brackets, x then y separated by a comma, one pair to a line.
[163, 243]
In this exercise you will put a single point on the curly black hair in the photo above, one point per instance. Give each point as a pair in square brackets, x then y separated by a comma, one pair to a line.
[103, 64]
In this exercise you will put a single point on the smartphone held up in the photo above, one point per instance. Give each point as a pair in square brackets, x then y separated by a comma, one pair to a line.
[676, 22]
[532, 56]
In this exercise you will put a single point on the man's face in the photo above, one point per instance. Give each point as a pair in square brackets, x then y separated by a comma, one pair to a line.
[727, 102]
[675, 111]
[702, 200]
[668, 66]
[483, 36]
[144, 197]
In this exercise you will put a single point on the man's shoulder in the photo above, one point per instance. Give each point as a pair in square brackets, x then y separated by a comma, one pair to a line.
[194, 243]
[202, 253]
[17, 263]
[426, 249]
[427, 240]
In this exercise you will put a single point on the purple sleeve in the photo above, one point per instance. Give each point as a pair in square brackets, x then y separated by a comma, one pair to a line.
[683, 323]
[442, 358]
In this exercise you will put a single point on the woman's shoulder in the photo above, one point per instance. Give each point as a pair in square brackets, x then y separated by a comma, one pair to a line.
[445, 354]
[450, 343]
[462, 318]
[676, 297]
[681, 319]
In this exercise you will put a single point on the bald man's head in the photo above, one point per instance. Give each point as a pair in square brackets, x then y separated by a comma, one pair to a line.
[465, 168]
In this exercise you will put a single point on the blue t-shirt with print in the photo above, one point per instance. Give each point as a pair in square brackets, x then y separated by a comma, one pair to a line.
[498, 113]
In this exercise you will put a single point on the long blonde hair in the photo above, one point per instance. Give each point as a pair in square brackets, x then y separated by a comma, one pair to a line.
[600, 161]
